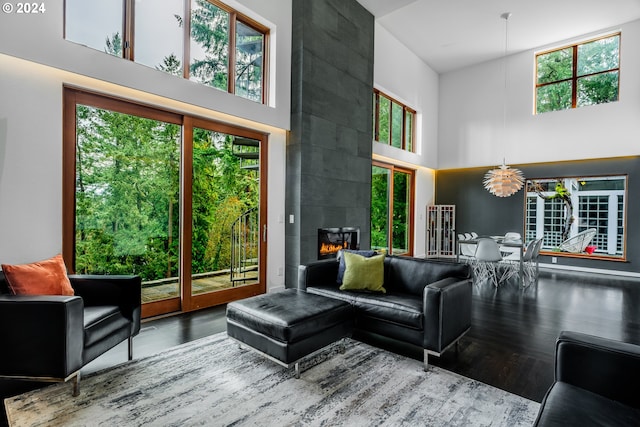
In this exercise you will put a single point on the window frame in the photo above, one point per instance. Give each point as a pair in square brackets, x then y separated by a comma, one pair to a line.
[128, 41]
[406, 111]
[574, 70]
[557, 211]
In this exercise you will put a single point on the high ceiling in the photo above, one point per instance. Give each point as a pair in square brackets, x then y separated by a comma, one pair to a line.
[453, 34]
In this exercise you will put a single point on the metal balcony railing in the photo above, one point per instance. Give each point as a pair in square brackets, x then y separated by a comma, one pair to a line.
[245, 235]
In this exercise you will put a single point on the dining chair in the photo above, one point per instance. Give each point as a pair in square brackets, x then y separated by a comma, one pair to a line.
[467, 250]
[487, 259]
[532, 270]
[512, 235]
[529, 263]
[510, 251]
[511, 262]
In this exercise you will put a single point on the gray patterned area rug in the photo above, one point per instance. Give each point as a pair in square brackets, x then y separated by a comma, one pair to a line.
[213, 382]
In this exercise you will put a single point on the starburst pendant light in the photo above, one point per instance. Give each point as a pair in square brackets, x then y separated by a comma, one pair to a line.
[504, 181]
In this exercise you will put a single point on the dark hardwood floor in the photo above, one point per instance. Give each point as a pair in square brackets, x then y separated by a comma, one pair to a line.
[511, 341]
[510, 345]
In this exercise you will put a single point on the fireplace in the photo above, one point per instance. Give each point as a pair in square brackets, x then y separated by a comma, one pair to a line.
[331, 240]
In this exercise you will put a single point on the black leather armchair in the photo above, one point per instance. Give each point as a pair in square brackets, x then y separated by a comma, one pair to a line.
[596, 383]
[50, 338]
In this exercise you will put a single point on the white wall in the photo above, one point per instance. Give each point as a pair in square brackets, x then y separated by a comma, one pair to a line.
[471, 114]
[31, 122]
[401, 74]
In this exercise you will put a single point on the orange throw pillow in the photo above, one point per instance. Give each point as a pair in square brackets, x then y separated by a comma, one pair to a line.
[48, 277]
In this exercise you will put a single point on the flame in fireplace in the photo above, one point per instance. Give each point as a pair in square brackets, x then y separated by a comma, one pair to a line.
[330, 248]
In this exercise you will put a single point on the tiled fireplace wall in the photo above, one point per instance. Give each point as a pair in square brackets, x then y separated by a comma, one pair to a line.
[329, 147]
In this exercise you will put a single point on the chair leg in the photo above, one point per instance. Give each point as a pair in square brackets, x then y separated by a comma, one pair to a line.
[493, 274]
[480, 271]
[130, 345]
[426, 361]
[510, 269]
[76, 385]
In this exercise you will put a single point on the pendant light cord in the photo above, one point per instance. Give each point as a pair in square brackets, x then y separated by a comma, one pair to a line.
[506, 17]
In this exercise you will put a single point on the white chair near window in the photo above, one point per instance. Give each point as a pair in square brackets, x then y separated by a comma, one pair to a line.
[532, 268]
[467, 250]
[487, 260]
[529, 263]
[512, 236]
[511, 251]
[579, 242]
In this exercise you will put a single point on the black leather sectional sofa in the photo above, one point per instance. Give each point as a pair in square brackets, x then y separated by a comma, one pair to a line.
[427, 303]
[51, 337]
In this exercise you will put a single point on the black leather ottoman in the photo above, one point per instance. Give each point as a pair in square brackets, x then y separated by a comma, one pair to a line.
[289, 325]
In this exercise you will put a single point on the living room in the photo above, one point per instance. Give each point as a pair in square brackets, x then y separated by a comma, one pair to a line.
[460, 127]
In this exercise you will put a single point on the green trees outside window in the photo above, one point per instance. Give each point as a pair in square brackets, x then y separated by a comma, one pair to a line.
[391, 209]
[127, 194]
[222, 190]
[401, 212]
[159, 194]
[380, 182]
[225, 49]
[209, 44]
[578, 75]
[249, 62]
[393, 122]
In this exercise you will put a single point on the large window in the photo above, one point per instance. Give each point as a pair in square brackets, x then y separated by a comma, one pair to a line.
[578, 75]
[175, 199]
[394, 122]
[573, 213]
[221, 47]
[392, 209]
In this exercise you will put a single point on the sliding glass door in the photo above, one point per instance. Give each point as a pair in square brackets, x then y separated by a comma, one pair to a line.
[174, 199]
[392, 209]
[226, 233]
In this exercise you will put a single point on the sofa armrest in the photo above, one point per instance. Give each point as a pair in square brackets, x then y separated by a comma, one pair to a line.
[123, 291]
[447, 312]
[42, 336]
[323, 272]
[603, 366]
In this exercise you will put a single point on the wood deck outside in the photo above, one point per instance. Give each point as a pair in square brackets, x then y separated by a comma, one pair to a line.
[200, 285]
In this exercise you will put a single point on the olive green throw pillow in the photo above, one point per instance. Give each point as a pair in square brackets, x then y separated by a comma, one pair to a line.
[363, 274]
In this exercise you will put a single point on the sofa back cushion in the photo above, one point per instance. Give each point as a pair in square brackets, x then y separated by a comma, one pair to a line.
[411, 275]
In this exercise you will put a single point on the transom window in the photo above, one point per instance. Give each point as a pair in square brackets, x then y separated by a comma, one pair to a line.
[394, 122]
[223, 48]
[578, 75]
